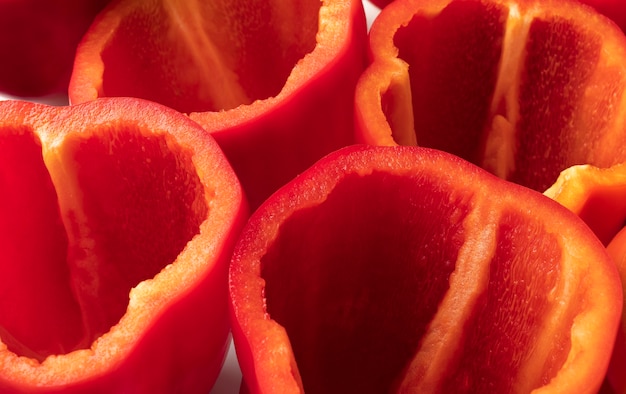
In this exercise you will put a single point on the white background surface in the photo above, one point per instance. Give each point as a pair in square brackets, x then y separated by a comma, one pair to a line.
[230, 377]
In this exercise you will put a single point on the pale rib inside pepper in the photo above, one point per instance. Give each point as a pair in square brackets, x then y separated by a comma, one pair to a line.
[356, 280]
[522, 91]
[208, 56]
[102, 212]
[404, 281]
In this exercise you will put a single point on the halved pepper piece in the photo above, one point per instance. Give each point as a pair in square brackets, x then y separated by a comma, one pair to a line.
[272, 81]
[38, 40]
[406, 269]
[118, 220]
[524, 89]
[598, 196]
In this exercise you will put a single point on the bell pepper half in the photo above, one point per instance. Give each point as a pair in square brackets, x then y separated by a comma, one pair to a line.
[598, 196]
[38, 40]
[118, 221]
[272, 81]
[523, 89]
[408, 269]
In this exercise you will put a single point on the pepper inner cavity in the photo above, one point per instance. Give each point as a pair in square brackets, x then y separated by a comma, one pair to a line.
[356, 280]
[103, 213]
[208, 56]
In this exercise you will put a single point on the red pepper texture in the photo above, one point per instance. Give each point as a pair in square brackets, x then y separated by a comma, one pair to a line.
[273, 82]
[118, 221]
[404, 269]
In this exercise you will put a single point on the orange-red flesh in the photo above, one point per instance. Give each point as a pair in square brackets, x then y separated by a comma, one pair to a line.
[142, 202]
[372, 292]
[377, 277]
[131, 206]
[39, 314]
[384, 270]
[508, 318]
[615, 375]
[452, 67]
[199, 56]
[597, 195]
[254, 74]
[126, 212]
[561, 58]
[523, 89]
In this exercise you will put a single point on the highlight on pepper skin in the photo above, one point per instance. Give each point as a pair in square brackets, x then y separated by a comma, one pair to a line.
[407, 269]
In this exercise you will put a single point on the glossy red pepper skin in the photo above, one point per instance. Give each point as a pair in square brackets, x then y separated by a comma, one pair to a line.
[273, 82]
[38, 40]
[119, 218]
[404, 269]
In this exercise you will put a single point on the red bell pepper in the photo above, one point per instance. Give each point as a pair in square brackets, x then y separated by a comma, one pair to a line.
[522, 89]
[273, 82]
[598, 196]
[118, 222]
[409, 269]
[38, 40]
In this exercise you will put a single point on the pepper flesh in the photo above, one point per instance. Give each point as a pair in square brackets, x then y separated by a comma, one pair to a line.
[405, 269]
[523, 89]
[119, 217]
[597, 196]
[273, 82]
